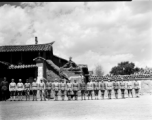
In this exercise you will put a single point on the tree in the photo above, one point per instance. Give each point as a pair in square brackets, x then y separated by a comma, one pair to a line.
[124, 68]
[99, 70]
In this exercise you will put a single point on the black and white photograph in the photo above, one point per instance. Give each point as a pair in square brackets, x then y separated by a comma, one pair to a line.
[88, 60]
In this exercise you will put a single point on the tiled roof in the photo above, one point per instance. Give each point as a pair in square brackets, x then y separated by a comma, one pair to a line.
[5, 63]
[19, 48]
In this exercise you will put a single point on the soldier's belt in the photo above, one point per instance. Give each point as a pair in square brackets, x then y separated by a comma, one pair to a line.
[12, 87]
[20, 87]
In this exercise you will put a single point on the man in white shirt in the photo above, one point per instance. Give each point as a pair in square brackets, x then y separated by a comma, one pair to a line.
[34, 89]
[20, 88]
[42, 89]
[12, 89]
[27, 87]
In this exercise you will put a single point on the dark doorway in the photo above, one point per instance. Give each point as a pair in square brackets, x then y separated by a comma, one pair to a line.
[16, 74]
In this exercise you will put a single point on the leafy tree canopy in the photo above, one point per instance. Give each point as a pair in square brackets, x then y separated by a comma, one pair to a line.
[124, 68]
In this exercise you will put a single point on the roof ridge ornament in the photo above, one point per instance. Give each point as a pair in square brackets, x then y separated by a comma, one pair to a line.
[36, 41]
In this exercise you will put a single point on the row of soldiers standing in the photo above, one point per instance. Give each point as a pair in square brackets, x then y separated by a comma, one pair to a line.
[70, 89]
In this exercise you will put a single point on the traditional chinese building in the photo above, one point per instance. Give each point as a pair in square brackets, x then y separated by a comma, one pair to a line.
[34, 61]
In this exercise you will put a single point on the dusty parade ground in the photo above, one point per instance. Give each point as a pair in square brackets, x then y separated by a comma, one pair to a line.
[115, 109]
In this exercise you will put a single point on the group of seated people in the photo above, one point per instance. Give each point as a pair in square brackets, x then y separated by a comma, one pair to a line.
[69, 89]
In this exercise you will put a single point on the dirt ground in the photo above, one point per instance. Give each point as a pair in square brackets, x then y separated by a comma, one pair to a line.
[115, 109]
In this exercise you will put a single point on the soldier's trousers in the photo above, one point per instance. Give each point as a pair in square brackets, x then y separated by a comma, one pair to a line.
[130, 92]
[102, 93]
[82, 92]
[137, 91]
[34, 92]
[89, 93]
[109, 93]
[62, 93]
[116, 93]
[48, 93]
[56, 93]
[27, 92]
[75, 93]
[123, 93]
[96, 92]
[12, 93]
[4, 95]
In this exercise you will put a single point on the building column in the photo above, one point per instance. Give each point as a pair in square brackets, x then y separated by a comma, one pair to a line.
[40, 71]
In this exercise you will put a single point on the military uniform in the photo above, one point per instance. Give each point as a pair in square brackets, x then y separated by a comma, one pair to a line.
[4, 89]
[27, 87]
[109, 88]
[56, 89]
[34, 89]
[63, 90]
[69, 90]
[90, 89]
[75, 90]
[20, 88]
[49, 89]
[122, 88]
[83, 90]
[12, 89]
[129, 88]
[136, 87]
[102, 88]
[96, 89]
[116, 88]
[42, 90]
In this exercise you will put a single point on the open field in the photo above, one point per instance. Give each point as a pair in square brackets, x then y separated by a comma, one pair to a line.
[121, 109]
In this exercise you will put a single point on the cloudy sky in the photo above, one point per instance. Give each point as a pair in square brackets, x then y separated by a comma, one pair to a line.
[104, 33]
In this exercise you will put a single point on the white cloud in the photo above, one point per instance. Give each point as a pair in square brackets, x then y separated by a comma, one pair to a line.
[91, 32]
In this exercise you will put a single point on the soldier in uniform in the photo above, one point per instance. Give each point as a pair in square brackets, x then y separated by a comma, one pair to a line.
[75, 89]
[102, 85]
[136, 87]
[109, 88]
[20, 88]
[90, 89]
[122, 88]
[129, 88]
[12, 89]
[42, 89]
[116, 88]
[56, 89]
[4, 89]
[96, 89]
[69, 89]
[48, 89]
[27, 87]
[34, 89]
[63, 89]
[83, 90]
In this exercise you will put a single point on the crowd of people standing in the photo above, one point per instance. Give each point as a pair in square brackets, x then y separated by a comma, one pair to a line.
[68, 89]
